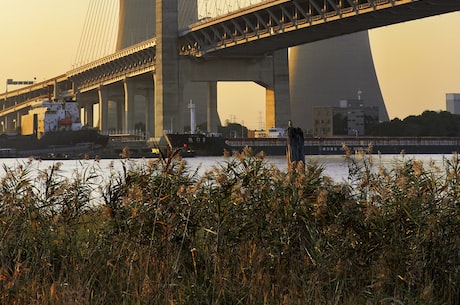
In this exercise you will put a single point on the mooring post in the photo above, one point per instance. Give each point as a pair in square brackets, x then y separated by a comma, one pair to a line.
[295, 151]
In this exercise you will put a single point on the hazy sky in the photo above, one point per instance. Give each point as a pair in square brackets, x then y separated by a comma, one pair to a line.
[417, 62]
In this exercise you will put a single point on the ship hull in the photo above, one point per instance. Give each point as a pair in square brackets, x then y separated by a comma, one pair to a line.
[216, 146]
[53, 145]
[194, 144]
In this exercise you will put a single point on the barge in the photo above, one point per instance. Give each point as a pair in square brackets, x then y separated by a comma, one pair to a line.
[216, 145]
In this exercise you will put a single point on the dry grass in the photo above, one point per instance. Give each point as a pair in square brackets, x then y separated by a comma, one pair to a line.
[244, 233]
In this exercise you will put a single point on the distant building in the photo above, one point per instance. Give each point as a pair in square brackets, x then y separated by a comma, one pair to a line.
[453, 103]
[350, 118]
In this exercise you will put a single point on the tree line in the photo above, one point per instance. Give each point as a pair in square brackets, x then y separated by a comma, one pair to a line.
[429, 123]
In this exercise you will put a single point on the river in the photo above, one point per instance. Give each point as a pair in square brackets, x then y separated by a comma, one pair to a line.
[334, 166]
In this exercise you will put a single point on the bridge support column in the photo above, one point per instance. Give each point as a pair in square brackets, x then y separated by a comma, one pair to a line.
[270, 108]
[149, 111]
[86, 102]
[89, 114]
[103, 108]
[128, 106]
[278, 110]
[212, 117]
[167, 110]
[17, 123]
[4, 123]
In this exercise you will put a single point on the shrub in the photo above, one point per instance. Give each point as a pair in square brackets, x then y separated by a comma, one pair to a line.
[244, 232]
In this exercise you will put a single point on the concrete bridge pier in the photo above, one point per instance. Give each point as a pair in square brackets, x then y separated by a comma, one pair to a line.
[123, 106]
[277, 100]
[128, 109]
[167, 107]
[111, 105]
[17, 121]
[103, 103]
[4, 124]
[89, 114]
[138, 111]
[149, 93]
[211, 113]
[9, 122]
[86, 101]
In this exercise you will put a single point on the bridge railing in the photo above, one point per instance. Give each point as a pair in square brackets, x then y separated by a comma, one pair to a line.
[128, 62]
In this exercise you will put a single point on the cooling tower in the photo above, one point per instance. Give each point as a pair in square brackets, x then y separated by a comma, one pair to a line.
[136, 22]
[324, 72]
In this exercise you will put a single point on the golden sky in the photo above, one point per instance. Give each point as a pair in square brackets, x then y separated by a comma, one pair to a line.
[417, 62]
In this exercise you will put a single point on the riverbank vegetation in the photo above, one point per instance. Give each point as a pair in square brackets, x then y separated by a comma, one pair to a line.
[243, 233]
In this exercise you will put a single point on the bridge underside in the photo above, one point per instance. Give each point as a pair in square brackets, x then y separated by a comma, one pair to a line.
[330, 26]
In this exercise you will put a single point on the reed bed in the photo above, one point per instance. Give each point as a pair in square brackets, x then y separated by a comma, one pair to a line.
[243, 233]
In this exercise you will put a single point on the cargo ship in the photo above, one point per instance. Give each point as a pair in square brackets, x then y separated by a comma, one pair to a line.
[216, 145]
[52, 130]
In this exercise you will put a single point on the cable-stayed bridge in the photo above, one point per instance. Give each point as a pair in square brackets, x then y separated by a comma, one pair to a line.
[99, 34]
[178, 50]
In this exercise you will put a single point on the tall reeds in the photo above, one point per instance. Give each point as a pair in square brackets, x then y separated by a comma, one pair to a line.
[243, 233]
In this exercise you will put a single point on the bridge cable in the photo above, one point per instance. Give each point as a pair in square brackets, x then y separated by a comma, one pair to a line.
[83, 38]
[89, 34]
[97, 28]
[113, 30]
[104, 26]
[99, 32]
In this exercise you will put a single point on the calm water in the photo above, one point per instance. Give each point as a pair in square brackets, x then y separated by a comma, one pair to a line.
[335, 166]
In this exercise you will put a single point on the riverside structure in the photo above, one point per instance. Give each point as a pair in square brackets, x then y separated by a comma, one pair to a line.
[148, 81]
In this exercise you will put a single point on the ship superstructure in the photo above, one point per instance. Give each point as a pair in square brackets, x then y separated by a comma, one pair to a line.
[47, 116]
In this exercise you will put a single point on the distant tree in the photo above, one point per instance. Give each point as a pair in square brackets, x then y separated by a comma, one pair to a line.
[429, 123]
